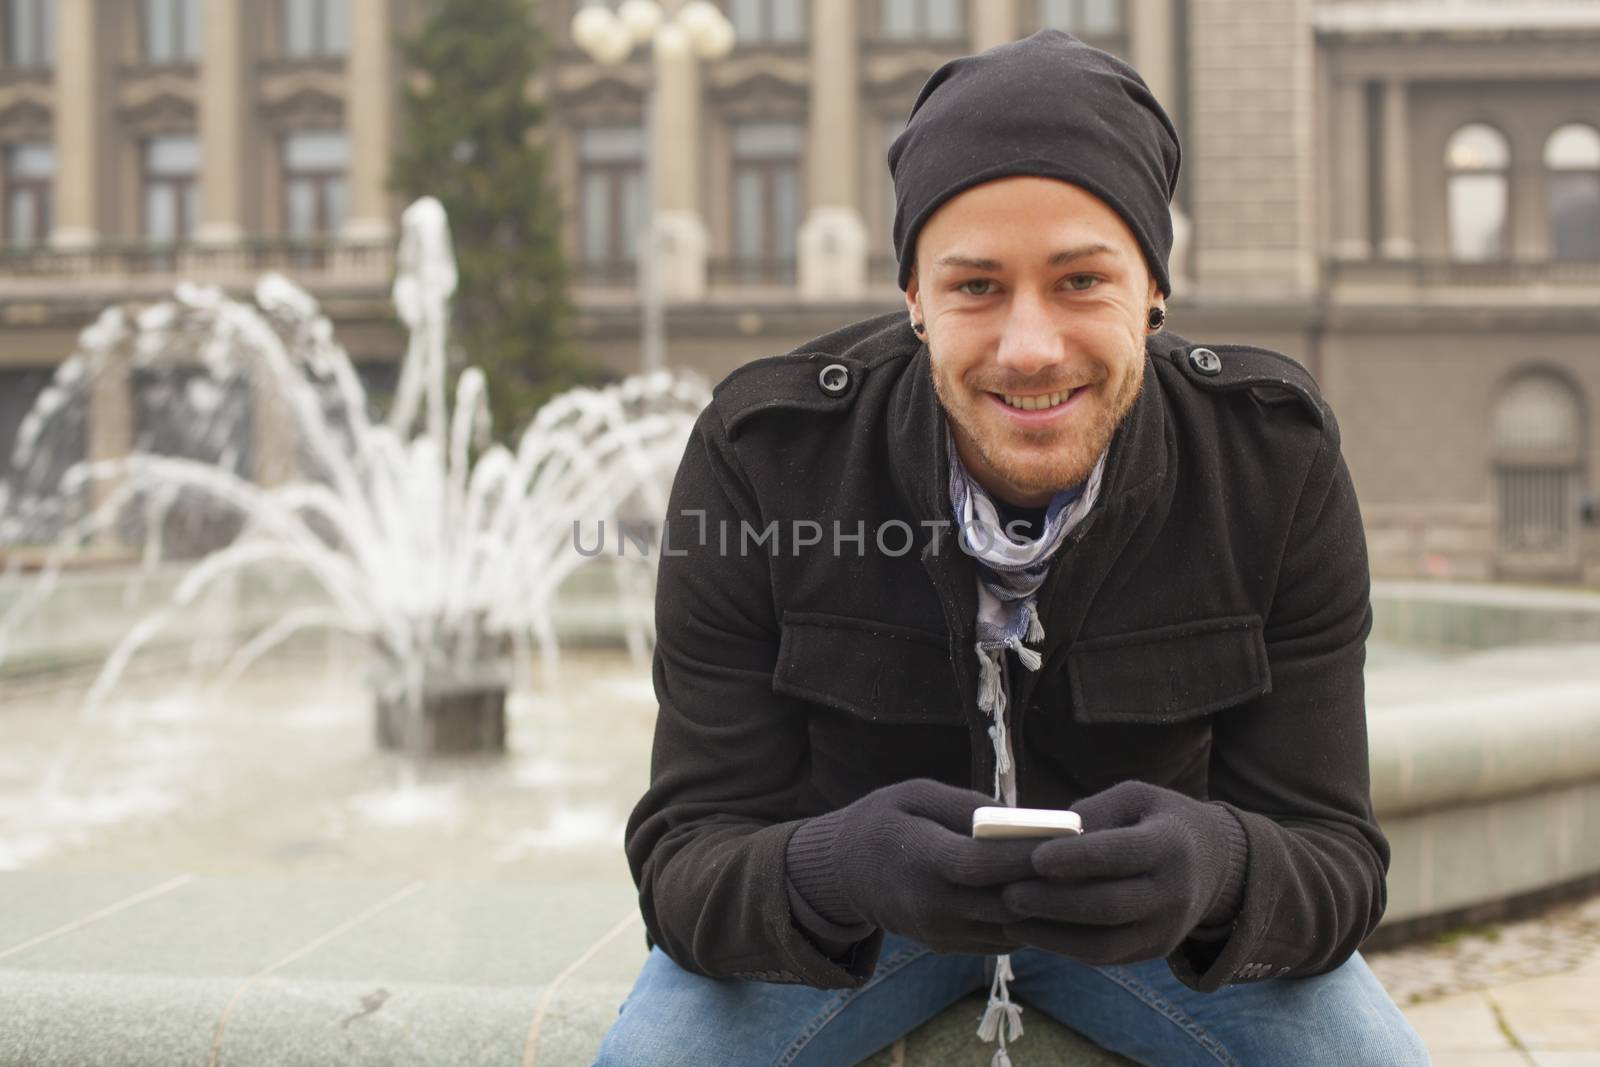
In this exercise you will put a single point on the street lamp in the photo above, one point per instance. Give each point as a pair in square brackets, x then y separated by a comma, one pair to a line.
[698, 28]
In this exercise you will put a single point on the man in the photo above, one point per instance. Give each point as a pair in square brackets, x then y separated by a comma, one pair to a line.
[1149, 603]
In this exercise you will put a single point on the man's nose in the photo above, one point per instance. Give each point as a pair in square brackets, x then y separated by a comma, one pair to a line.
[1031, 339]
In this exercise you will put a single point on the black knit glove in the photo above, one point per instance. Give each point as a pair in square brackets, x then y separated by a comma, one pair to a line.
[1150, 866]
[903, 858]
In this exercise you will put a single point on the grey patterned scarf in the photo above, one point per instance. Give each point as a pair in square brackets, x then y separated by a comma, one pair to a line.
[1010, 572]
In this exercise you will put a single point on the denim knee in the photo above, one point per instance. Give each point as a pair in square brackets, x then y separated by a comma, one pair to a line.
[619, 1049]
[1396, 1045]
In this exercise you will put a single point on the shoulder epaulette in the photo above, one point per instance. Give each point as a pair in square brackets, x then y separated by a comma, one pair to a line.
[799, 381]
[1271, 376]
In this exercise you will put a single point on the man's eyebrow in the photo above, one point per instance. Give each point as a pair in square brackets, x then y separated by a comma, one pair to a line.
[1059, 259]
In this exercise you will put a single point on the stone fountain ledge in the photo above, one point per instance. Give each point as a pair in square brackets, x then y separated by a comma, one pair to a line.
[1486, 776]
[1486, 767]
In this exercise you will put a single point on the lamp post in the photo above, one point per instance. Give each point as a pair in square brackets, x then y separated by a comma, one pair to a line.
[698, 28]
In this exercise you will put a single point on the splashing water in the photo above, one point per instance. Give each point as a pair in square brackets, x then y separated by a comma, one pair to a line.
[440, 550]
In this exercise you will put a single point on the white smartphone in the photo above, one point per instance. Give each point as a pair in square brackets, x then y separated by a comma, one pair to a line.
[1024, 822]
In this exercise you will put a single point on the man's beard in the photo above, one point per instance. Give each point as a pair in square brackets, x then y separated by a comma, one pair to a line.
[1058, 459]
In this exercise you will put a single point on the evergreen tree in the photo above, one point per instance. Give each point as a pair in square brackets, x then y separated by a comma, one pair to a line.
[471, 137]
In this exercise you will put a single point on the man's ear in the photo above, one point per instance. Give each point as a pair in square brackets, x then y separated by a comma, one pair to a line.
[912, 289]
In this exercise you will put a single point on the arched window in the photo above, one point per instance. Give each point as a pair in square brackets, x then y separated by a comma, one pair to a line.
[1476, 161]
[1538, 441]
[1572, 163]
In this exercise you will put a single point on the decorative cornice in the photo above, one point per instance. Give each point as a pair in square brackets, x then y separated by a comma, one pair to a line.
[301, 95]
[25, 112]
[159, 103]
[281, 84]
[306, 109]
[606, 97]
[730, 75]
[1454, 18]
[164, 114]
[581, 80]
[899, 73]
[1457, 60]
[759, 92]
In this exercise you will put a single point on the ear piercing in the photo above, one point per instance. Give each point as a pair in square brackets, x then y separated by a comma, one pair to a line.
[921, 330]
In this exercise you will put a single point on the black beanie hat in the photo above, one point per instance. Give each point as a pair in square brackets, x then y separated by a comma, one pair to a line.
[1050, 106]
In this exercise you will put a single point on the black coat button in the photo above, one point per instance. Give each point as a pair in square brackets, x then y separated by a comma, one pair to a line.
[834, 379]
[1206, 362]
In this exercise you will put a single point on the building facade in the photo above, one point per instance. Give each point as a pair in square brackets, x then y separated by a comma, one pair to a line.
[1403, 195]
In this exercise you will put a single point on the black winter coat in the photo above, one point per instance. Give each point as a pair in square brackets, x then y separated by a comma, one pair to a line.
[1205, 631]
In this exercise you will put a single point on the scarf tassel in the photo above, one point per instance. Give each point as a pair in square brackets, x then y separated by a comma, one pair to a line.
[1027, 656]
[1035, 627]
[988, 680]
[1001, 1008]
[997, 734]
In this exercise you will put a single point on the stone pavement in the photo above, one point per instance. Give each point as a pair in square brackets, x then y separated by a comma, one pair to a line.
[1518, 994]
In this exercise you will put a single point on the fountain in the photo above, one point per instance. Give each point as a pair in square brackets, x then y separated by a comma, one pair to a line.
[439, 549]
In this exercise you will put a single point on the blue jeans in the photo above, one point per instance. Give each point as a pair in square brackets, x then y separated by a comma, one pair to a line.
[1342, 1018]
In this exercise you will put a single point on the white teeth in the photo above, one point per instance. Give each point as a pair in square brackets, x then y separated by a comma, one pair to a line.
[1036, 403]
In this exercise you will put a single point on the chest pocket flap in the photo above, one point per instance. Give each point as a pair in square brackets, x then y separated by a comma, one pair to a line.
[1171, 673]
[873, 670]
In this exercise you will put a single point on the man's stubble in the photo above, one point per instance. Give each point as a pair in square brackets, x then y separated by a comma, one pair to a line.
[1074, 450]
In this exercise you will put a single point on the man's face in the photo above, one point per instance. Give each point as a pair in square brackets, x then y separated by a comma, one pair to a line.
[1036, 298]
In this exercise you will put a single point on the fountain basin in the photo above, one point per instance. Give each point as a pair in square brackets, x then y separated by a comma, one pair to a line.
[453, 713]
[1485, 773]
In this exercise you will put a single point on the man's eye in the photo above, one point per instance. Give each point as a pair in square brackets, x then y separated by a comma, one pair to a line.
[976, 281]
[1076, 278]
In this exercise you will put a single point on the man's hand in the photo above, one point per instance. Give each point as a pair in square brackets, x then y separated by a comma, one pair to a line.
[1150, 866]
[903, 858]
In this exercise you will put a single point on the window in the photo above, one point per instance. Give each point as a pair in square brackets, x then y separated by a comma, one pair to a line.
[610, 200]
[171, 188]
[1476, 161]
[1572, 160]
[1538, 436]
[30, 33]
[766, 198]
[313, 183]
[171, 31]
[30, 174]
[1097, 22]
[901, 20]
[768, 21]
[314, 28]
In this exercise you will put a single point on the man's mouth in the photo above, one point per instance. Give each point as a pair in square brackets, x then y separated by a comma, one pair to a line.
[1036, 401]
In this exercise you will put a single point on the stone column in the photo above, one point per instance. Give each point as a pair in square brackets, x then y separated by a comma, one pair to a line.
[369, 118]
[1152, 45]
[675, 176]
[79, 133]
[1351, 209]
[1528, 235]
[1397, 240]
[833, 238]
[223, 118]
[1152, 48]
[991, 22]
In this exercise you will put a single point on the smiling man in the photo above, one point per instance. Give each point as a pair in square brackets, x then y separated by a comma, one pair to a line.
[1036, 361]
[1017, 545]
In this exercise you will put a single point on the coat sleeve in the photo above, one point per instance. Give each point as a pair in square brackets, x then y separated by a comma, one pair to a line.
[731, 758]
[1292, 764]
